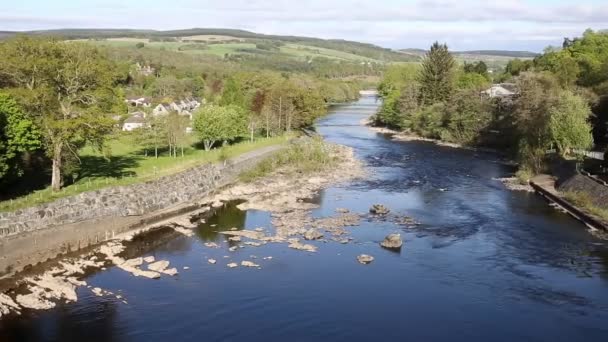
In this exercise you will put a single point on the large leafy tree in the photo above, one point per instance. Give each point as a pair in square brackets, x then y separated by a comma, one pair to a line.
[436, 75]
[569, 123]
[66, 88]
[18, 135]
[538, 94]
[220, 123]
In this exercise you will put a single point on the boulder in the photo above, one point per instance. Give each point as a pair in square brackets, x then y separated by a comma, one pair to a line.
[365, 259]
[379, 209]
[312, 234]
[392, 241]
[246, 263]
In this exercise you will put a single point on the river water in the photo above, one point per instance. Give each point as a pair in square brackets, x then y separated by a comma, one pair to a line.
[485, 264]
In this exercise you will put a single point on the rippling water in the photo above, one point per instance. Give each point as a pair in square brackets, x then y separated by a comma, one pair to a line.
[486, 264]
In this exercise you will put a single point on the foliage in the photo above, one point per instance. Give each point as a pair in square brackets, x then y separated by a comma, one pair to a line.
[569, 123]
[67, 89]
[468, 115]
[436, 76]
[220, 123]
[18, 135]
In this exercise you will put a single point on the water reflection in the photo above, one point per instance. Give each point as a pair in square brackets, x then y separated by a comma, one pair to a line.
[224, 218]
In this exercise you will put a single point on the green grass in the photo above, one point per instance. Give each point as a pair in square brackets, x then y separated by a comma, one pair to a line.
[584, 201]
[302, 51]
[128, 165]
[298, 51]
[308, 156]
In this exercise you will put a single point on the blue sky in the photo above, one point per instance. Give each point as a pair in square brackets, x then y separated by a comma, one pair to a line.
[463, 24]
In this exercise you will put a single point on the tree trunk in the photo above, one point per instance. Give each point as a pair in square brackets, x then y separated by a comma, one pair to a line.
[156, 152]
[56, 170]
[208, 144]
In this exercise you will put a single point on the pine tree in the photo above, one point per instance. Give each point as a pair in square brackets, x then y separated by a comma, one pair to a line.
[436, 75]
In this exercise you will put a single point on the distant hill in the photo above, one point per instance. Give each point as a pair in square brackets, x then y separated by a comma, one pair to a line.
[362, 49]
[493, 53]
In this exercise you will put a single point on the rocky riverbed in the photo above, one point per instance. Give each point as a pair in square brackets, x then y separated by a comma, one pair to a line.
[284, 194]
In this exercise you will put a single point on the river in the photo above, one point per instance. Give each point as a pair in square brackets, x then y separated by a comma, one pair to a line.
[485, 264]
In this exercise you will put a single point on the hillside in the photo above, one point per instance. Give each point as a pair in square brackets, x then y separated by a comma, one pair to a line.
[292, 45]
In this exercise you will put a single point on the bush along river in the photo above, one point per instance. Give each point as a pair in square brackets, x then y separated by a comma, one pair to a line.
[478, 262]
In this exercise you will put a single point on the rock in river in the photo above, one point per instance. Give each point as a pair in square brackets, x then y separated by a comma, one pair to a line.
[379, 209]
[365, 259]
[392, 241]
[312, 234]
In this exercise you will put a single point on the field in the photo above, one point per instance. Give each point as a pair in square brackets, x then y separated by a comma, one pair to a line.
[223, 45]
[128, 164]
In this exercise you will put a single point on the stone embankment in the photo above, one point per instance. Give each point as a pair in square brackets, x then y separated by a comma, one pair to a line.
[35, 234]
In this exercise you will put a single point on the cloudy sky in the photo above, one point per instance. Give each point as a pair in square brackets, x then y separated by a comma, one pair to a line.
[463, 24]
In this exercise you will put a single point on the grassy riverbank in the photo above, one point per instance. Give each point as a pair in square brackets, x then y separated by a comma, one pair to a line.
[307, 156]
[584, 202]
[128, 165]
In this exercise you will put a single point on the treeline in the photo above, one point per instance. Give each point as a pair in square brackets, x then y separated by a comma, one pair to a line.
[550, 106]
[58, 96]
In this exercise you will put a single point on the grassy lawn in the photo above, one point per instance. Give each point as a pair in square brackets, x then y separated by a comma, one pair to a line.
[128, 164]
[301, 51]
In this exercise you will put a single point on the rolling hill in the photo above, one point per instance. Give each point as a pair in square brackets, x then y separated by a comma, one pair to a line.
[331, 48]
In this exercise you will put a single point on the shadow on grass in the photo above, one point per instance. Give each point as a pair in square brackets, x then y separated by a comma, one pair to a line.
[114, 167]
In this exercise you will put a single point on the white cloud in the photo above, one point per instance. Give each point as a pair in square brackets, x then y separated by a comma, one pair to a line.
[394, 23]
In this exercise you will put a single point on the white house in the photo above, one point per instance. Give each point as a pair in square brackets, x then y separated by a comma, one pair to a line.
[161, 109]
[138, 101]
[183, 107]
[502, 90]
[134, 121]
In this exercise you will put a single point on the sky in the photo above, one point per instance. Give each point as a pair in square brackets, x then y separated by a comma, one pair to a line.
[462, 24]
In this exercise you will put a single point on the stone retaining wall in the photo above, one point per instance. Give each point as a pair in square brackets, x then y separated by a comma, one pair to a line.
[570, 180]
[131, 200]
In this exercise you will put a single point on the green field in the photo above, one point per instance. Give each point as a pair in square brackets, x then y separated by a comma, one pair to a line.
[128, 164]
[298, 51]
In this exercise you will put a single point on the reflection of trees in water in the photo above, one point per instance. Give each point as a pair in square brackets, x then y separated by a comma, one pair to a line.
[157, 240]
[86, 321]
[224, 218]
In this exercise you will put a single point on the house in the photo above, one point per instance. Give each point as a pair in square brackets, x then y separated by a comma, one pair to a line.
[161, 109]
[502, 90]
[138, 101]
[145, 70]
[134, 121]
[182, 107]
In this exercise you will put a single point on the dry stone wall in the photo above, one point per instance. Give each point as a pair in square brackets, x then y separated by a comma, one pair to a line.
[131, 200]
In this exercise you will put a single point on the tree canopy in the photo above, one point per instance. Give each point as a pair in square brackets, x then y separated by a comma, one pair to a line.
[220, 123]
[67, 89]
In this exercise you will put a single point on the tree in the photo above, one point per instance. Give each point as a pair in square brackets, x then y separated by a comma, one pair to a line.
[479, 67]
[436, 75]
[176, 135]
[538, 93]
[569, 123]
[220, 123]
[467, 115]
[67, 89]
[233, 94]
[18, 135]
[140, 45]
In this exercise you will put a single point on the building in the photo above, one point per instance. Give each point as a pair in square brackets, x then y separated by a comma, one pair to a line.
[182, 107]
[134, 121]
[138, 101]
[502, 90]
